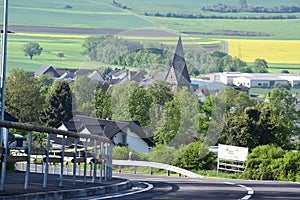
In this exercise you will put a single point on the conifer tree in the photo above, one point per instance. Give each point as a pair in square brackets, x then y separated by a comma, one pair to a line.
[58, 104]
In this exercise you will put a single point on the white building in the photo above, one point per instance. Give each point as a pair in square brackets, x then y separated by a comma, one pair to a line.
[250, 80]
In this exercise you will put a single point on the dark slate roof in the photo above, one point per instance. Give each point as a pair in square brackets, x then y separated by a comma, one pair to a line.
[179, 66]
[62, 71]
[84, 72]
[110, 128]
[46, 68]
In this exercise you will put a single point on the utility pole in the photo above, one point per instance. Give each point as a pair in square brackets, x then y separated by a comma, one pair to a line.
[3, 86]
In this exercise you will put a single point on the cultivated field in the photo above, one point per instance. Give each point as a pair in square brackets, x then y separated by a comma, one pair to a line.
[277, 41]
[273, 51]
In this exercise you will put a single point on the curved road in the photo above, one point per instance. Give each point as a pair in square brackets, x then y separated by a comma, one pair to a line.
[207, 188]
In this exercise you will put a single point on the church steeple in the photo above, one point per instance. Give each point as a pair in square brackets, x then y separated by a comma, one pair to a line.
[178, 74]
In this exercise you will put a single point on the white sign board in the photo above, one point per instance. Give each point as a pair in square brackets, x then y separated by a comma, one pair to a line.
[227, 152]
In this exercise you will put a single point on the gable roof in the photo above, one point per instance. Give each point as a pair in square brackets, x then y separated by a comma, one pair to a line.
[62, 71]
[47, 69]
[178, 70]
[104, 127]
[84, 72]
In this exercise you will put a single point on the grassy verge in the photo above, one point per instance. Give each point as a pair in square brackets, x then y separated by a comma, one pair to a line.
[215, 174]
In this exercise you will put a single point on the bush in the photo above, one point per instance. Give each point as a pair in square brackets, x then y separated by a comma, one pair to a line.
[273, 163]
[163, 154]
[195, 157]
[122, 153]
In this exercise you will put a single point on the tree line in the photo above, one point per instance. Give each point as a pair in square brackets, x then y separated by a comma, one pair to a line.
[223, 8]
[110, 49]
[201, 16]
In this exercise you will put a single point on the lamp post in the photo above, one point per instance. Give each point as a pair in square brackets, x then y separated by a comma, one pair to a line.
[2, 85]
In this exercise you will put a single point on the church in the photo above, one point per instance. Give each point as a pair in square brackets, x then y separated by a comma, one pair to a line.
[178, 75]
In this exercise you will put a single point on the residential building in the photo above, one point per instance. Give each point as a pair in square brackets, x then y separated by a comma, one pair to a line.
[123, 133]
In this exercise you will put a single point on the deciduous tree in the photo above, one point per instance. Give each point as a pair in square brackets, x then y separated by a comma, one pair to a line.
[23, 97]
[32, 49]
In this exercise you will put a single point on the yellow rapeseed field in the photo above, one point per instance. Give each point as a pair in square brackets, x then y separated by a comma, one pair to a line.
[273, 51]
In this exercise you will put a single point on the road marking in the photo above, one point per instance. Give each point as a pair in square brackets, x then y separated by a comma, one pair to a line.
[149, 187]
[250, 191]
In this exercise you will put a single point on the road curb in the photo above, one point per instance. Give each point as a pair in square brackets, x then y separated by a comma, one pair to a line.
[72, 193]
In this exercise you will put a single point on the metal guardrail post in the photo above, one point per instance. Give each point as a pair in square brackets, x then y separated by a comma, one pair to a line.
[47, 162]
[62, 161]
[151, 172]
[134, 169]
[105, 163]
[85, 161]
[95, 161]
[74, 163]
[101, 160]
[28, 161]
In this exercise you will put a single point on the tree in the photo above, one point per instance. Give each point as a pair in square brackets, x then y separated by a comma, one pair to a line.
[32, 49]
[103, 104]
[139, 106]
[60, 55]
[84, 90]
[45, 83]
[260, 66]
[58, 104]
[121, 95]
[23, 97]
[106, 71]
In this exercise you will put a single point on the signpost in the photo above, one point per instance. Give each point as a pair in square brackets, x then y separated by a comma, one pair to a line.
[231, 158]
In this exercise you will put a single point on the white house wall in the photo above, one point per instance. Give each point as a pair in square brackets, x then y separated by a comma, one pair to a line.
[136, 143]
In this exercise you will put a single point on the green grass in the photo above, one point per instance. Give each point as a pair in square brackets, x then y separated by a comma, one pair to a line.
[215, 174]
[277, 29]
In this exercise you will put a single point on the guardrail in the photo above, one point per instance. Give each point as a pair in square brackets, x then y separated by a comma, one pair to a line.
[96, 148]
[155, 165]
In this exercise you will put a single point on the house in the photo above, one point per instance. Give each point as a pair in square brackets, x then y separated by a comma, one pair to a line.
[47, 70]
[90, 73]
[178, 73]
[136, 76]
[66, 73]
[123, 133]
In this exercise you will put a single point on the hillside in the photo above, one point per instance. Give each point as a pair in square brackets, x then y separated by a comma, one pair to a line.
[101, 17]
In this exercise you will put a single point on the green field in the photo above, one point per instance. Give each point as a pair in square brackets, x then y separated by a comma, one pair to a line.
[100, 14]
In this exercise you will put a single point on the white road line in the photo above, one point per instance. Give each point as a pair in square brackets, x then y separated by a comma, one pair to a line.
[250, 191]
[149, 187]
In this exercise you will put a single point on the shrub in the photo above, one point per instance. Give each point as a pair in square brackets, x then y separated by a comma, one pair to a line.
[273, 163]
[122, 153]
[195, 157]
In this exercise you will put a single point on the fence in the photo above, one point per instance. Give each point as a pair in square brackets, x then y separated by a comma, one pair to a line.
[90, 150]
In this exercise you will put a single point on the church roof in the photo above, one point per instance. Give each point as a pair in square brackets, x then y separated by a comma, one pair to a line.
[178, 67]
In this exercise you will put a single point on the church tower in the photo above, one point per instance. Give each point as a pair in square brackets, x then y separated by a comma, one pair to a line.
[178, 74]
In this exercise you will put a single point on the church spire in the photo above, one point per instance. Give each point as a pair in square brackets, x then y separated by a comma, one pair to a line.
[178, 74]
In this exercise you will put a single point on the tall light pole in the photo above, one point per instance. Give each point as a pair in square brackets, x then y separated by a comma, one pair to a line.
[2, 85]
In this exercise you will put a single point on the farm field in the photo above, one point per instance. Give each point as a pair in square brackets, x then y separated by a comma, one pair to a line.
[273, 51]
[277, 41]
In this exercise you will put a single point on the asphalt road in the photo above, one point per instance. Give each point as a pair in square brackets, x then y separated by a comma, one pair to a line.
[208, 188]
